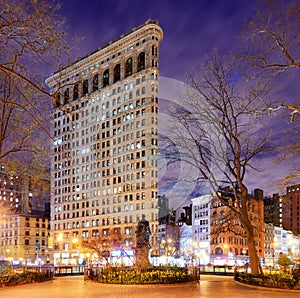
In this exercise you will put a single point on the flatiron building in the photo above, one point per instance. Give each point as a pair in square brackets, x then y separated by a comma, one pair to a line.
[105, 139]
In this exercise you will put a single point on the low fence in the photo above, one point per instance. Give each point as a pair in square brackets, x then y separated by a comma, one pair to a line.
[68, 270]
[48, 270]
[217, 270]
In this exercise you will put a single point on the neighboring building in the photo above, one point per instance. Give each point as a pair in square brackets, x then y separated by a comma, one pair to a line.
[201, 228]
[269, 245]
[163, 206]
[228, 239]
[168, 235]
[105, 131]
[273, 210]
[187, 249]
[291, 209]
[24, 238]
[15, 192]
[23, 229]
[279, 240]
[18, 195]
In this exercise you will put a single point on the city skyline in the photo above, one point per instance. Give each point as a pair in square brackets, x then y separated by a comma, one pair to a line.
[113, 103]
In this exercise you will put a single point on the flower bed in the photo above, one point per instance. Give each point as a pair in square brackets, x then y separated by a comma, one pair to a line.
[11, 279]
[149, 276]
[276, 280]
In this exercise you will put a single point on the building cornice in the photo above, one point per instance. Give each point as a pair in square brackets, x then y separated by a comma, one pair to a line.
[103, 53]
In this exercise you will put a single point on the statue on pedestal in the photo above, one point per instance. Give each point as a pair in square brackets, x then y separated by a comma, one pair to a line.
[143, 234]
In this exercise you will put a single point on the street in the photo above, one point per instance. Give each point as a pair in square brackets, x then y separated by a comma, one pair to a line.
[75, 286]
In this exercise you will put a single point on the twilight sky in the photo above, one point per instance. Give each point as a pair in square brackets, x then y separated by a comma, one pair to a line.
[192, 29]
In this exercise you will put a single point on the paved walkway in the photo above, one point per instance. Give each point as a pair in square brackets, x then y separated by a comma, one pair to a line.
[210, 287]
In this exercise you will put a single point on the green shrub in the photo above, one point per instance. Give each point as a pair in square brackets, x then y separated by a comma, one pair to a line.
[10, 279]
[281, 280]
[150, 276]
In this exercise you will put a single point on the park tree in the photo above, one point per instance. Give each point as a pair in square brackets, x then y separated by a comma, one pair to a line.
[270, 41]
[32, 40]
[103, 245]
[284, 261]
[214, 131]
[270, 51]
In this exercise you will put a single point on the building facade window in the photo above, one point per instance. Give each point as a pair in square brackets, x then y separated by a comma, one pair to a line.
[95, 83]
[75, 92]
[128, 67]
[85, 87]
[117, 73]
[141, 61]
[106, 78]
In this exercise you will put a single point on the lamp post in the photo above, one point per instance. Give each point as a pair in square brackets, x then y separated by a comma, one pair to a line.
[225, 253]
[169, 249]
[59, 239]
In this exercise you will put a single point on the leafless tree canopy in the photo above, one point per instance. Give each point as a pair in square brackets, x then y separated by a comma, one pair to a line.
[271, 40]
[32, 39]
[218, 131]
[271, 52]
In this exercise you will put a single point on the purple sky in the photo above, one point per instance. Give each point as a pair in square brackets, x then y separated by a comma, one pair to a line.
[192, 29]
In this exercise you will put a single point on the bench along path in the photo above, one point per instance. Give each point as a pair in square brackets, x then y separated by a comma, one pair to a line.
[76, 287]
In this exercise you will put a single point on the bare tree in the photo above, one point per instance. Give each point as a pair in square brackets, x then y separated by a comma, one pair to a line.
[271, 39]
[216, 131]
[103, 245]
[271, 51]
[32, 39]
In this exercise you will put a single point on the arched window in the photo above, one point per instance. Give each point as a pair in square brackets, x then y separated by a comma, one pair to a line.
[128, 67]
[117, 73]
[106, 78]
[56, 102]
[66, 95]
[85, 87]
[154, 51]
[95, 83]
[75, 92]
[219, 251]
[141, 61]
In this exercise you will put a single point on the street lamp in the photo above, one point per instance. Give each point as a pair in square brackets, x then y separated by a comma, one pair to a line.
[75, 241]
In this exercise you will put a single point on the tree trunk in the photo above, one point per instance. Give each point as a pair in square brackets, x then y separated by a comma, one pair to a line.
[254, 259]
